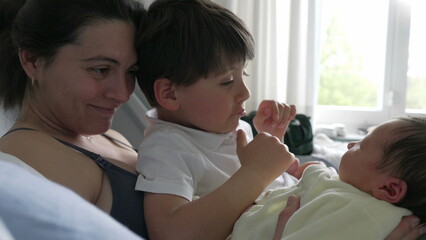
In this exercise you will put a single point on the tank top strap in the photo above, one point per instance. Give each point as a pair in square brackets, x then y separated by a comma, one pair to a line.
[98, 159]
[113, 139]
[17, 129]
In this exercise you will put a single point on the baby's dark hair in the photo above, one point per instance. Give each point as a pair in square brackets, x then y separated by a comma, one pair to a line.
[44, 26]
[183, 40]
[405, 158]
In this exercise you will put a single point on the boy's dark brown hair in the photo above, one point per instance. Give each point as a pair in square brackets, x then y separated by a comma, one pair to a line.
[405, 159]
[183, 40]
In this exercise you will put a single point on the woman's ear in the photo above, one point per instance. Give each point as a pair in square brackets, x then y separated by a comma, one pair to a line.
[29, 62]
[164, 91]
[392, 190]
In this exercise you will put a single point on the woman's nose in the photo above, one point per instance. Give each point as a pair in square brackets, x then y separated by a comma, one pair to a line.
[120, 88]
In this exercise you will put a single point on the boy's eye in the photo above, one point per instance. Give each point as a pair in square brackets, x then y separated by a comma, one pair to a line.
[227, 80]
[227, 83]
[133, 73]
[246, 74]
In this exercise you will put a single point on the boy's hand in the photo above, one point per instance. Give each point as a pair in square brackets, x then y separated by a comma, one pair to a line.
[265, 156]
[273, 117]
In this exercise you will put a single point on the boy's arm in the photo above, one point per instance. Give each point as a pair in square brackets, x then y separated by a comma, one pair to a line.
[273, 117]
[209, 217]
[213, 216]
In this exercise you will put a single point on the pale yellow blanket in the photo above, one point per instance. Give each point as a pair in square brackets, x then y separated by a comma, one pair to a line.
[330, 209]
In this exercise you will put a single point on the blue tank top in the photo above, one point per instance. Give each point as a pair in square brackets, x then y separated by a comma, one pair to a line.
[127, 205]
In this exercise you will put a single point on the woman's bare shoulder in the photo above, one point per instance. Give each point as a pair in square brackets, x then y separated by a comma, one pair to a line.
[55, 161]
[29, 145]
[51, 158]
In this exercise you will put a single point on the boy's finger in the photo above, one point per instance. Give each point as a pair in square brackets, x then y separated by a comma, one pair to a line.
[269, 108]
[241, 140]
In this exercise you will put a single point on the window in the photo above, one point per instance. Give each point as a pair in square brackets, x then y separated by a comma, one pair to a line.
[416, 76]
[371, 64]
[352, 53]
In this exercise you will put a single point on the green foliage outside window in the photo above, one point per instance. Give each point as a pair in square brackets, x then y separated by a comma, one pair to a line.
[416, 95]
[341, 79]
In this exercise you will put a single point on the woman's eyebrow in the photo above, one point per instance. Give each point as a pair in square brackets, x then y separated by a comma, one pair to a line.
[102, 58]
[108, 59]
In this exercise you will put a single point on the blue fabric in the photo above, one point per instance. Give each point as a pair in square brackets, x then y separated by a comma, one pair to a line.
[127, 206]
[35, 208]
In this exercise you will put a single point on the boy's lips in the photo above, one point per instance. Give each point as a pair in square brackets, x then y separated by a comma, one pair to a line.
[241, 112]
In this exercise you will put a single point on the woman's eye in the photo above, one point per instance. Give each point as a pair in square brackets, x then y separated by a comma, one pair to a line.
[100, 70]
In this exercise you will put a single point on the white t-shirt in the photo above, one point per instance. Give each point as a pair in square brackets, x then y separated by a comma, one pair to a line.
[187, 162]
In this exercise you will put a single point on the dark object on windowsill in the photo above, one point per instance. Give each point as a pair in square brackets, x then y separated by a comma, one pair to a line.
[299, 136]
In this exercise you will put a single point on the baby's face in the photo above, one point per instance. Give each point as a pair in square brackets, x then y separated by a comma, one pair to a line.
[358, 166]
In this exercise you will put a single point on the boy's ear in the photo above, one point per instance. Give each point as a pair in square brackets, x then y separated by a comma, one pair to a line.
[164, 91]
[29, 62]
[392, 190]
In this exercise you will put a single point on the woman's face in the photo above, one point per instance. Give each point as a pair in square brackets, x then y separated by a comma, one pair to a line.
[87, 81]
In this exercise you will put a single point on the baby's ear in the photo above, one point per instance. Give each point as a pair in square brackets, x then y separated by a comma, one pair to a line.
[391, 190]
[164, 91]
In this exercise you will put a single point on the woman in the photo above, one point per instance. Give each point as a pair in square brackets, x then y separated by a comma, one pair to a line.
[69, 65]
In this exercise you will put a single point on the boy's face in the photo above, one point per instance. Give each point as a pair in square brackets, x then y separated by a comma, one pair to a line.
[358, 166]
[214, 104]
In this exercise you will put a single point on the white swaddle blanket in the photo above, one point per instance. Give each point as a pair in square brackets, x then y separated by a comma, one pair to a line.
[330, 209]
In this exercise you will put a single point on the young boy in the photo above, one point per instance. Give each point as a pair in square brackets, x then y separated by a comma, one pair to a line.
[192, 57]
[381, 177]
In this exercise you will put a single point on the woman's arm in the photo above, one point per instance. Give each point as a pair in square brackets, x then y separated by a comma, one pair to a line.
[408, 229]
[293, 203]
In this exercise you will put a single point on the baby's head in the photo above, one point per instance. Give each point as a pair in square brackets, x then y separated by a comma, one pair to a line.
[390, 164]
[185, 40]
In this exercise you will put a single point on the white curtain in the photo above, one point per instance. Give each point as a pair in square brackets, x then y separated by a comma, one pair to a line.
[281, 69]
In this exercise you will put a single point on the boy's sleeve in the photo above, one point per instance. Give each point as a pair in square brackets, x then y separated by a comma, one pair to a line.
[168, 169]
